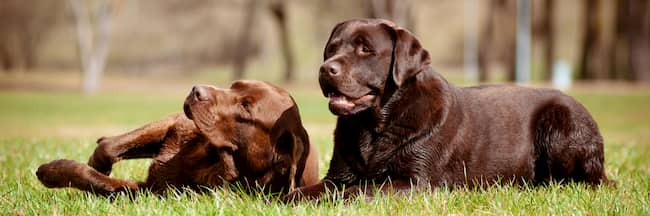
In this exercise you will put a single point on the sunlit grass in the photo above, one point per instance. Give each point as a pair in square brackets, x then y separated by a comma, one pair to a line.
[38, 127]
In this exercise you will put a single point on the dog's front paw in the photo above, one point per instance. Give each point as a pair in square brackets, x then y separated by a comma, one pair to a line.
[102, 159]
[293, 196]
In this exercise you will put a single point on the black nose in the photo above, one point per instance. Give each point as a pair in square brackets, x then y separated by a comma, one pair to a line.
[332, 68]
[200, 93]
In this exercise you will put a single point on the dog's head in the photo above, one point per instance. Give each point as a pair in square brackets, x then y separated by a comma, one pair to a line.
[260, 123]
[362, 57]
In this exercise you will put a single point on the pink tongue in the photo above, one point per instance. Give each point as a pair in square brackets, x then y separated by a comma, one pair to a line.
[341, 102]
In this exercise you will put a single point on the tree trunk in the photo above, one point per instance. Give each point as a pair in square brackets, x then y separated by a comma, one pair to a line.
[92, 51]
[485, 41]
[98, 62]
[509, 20]
[29, 44]
[279, 12]
[5, 57]
[619, 49]
[498, 39]
[589, 39]
[510, 59]
[639, 35]
[593, 62]
[243, 45]
[548, 34]
[399, 12]
[322, 14]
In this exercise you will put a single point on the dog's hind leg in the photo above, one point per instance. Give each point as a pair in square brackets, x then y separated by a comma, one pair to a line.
[568, 145]
[69, 173]
[587, 140]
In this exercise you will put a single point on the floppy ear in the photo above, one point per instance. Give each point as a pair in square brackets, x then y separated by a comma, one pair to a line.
[409, 58]
[287, 151]
[291, 144]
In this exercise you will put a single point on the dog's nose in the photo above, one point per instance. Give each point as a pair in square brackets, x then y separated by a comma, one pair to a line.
[333, 69]
[200, 92]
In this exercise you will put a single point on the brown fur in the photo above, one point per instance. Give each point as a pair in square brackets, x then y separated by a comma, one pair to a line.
[402, 125]
[251, 134]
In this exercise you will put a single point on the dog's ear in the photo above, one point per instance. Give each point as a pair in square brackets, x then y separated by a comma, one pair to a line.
[291, 146]
[409, 58]
[287, 151]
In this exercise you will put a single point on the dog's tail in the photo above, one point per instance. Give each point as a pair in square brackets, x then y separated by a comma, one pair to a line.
[69, 173]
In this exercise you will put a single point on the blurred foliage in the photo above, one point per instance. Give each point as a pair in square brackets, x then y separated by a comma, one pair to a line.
[162, 37]
[24, 26]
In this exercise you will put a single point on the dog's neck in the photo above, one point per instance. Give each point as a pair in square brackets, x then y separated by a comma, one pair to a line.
[428, 80]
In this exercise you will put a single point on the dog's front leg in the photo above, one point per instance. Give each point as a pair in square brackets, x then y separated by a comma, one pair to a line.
[311, 192]
[144, 142]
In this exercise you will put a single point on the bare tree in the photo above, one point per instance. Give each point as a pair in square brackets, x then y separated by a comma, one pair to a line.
[5, 58]
[639, 39]
[92, 43]
[547, 33]
[484, 43]
[24, 24]
[497, 38]
[241, 53]
[627, 54]
[590, 36]
[620, 42]
[279, 12]
[594, 63]
[399, 12]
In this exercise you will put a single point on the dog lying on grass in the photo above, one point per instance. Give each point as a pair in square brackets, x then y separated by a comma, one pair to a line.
[250, 134]
[401, 125]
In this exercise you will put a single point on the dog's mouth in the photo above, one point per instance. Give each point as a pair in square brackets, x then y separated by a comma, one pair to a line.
[189, 101]
[186, 109]
[341, 104]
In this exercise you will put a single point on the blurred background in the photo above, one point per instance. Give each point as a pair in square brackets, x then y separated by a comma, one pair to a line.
[75, 70]
[117, 45]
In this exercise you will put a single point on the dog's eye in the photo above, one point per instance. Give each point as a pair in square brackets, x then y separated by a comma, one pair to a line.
[246, 114]
[245, 105]
[365, 50]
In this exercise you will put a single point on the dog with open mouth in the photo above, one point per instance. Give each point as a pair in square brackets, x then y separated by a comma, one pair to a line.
[401, 125]
[250, 133]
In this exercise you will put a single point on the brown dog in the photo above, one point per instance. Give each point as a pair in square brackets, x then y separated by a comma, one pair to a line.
[250, 133]
[403, 125]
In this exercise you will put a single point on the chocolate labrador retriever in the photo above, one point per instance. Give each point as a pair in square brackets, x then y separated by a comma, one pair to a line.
[402, 125]
[250, 133]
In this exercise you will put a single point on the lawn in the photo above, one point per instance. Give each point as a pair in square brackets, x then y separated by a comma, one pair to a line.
[36, 127]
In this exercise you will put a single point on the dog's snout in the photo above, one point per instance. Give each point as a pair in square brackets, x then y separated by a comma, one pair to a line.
[200, 93]
[333, 69]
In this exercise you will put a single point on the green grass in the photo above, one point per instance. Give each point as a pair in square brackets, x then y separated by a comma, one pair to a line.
[38, 127]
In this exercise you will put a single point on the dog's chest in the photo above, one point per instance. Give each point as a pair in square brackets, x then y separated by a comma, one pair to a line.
[375, 161]
[366, 149]
[369, 166]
